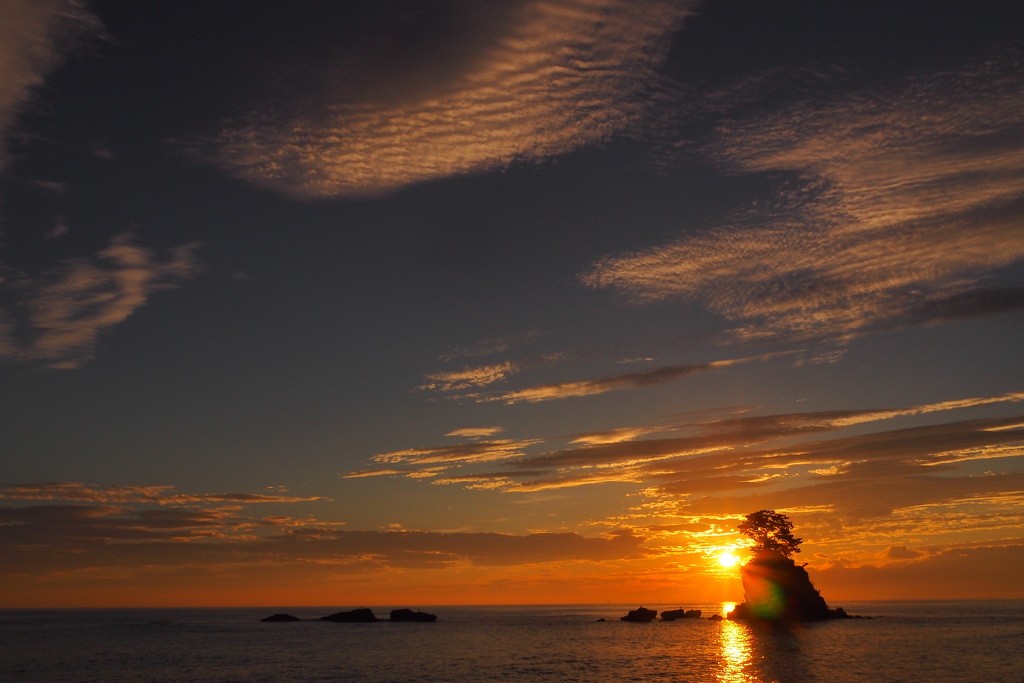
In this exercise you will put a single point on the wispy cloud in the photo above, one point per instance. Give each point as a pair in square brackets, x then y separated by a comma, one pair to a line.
[478, 451]
[468, 378]
[590, 387]
[462, 383]
[630, 380]
[48, 541]
[736, 464]
[57, 317]
[35, 37]
[163, 495]
[907, 199]
[362, 474]
[617, 435]
[475, 432]
[993, 570]
[554, 76]
[732, 460]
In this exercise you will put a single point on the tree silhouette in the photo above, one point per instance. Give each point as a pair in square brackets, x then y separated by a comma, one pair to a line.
[770, 530]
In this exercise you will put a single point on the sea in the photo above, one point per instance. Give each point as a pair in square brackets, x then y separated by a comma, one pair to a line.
[903, 641]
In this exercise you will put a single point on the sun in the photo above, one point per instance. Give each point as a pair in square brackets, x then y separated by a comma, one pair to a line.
[727, 559]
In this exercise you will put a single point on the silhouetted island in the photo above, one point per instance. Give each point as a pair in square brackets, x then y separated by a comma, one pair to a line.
[281, 617]
[777, 589]
[673, 614]
[357, 616]
[640, 615]
[409, 615]
[365, 615]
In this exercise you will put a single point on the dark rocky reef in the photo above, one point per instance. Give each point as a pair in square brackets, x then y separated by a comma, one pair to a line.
[777, 589]
[640, 615]
[409, 615]
[673, 614]
[357, 616]
[280, 617]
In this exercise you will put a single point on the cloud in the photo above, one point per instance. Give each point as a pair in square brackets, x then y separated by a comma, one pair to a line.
[901, 552]
[718, 441]
[480, 376]
[479, 451]
[984, 571]
[362, 474]
[615, 435]
[906, 199]
[56, 529]
[737, 464]
[538, 79]
[35, 36]
[854, 499]
[475, 432]
[47, 541]
[57, 317]
[631, 380]
[164, 495]
[475, 377]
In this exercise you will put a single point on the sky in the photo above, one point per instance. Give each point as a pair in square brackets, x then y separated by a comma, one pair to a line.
[425, 302]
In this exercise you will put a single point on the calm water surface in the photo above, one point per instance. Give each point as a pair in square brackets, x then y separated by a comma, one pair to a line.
[907, 641]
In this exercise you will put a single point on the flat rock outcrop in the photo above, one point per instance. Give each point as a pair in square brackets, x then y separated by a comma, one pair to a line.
[409, 615]
[357, 616]
[281, 617]
[673, 614]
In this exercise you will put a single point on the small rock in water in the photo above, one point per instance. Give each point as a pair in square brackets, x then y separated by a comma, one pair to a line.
[409, 615]
[640, 614]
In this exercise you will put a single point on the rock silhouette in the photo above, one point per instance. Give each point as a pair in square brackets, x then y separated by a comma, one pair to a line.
[409, 615]
[777, 589]
[356, 616]
[640, 615]
[281, 617]
[673, 614]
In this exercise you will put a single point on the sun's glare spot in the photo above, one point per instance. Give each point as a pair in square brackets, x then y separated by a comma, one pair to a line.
[727, 559]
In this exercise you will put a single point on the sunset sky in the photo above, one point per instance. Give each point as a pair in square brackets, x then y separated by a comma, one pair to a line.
[420, 302]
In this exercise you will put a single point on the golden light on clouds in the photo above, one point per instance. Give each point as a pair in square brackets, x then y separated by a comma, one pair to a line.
[560, 75]
[471, 267]
[64, 310]
[794, 461]
[907, 200]
[475, 432]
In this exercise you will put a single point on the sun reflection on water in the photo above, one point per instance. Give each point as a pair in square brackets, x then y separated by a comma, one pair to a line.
[735, 645]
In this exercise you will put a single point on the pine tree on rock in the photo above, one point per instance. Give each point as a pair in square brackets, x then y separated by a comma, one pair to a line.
[770, 530]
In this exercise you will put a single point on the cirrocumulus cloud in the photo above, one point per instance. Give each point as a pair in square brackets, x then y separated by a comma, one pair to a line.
[908, 200]
[561, 74]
